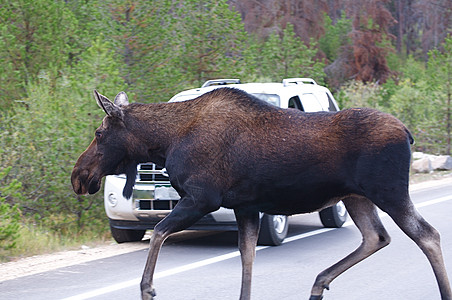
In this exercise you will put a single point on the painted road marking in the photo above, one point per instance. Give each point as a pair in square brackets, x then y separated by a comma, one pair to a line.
[216, 259]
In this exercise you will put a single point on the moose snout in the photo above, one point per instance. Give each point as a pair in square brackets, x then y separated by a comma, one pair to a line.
[78, 180]
[83, 183]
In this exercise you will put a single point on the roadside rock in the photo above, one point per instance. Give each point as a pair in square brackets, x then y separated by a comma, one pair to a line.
[426, 163]
[423, 165]
[443, 162]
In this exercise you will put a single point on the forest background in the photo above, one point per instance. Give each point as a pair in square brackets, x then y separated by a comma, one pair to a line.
[391, 55]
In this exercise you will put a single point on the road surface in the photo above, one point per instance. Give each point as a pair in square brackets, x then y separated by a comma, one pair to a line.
[206, 265]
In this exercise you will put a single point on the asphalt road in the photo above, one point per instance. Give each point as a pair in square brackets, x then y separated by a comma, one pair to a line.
[201, 265]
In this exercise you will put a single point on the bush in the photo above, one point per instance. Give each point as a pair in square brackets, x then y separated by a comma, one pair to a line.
[49, 129]
[359, 94]
[9, 214]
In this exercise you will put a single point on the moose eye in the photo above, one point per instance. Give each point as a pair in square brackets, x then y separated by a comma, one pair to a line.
[98, 134]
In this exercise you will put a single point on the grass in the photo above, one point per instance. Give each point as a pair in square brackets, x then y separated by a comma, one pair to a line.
[33, 240]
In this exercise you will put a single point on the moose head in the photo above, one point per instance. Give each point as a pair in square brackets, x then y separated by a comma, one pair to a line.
[108, 153]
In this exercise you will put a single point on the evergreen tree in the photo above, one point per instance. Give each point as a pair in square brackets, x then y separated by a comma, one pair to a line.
[285, 55]
[35, 35]
[210, 41]
[141, 33]
[335, 37]
[440, 66]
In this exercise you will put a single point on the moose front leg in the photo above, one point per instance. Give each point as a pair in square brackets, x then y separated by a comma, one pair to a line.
[147, 289]
[187, 212]
[248, 225]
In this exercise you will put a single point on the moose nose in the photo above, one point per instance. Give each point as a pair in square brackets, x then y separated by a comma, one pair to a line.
[78, 180]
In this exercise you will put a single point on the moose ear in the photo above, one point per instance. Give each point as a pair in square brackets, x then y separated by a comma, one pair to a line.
[121, 99]
[109, 107]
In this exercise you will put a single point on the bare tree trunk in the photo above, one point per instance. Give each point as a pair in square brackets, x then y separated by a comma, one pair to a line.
[448, 120]
[128, 53]
[400, 25]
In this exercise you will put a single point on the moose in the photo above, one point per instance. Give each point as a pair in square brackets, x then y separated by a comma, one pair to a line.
[226, 148]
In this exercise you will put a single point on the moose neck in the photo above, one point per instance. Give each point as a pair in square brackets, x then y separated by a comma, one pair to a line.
[154, 127]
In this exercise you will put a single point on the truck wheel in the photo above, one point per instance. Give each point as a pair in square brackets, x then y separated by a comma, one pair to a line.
[334, 216]
[273, 230]
[126, 235]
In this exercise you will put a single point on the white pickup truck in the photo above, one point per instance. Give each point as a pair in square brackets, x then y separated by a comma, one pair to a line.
[153, 196]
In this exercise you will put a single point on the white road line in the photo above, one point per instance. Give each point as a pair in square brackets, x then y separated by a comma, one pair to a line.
[434, 201]
[216, 259]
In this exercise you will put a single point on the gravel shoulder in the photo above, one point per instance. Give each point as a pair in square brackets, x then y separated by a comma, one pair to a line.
[43, 263]
[47, 262]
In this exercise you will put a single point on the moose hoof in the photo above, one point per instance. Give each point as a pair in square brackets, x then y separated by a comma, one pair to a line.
[148, 294]
[316, 297]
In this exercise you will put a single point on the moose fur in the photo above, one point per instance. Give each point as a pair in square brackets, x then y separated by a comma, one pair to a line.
[228, 149]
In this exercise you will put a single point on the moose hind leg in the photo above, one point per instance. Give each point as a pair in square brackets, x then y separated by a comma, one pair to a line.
[248, 225]
[427, 238]
[364, 214]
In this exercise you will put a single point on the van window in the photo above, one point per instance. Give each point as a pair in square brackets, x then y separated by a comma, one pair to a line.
[310, 103]
[295, 102]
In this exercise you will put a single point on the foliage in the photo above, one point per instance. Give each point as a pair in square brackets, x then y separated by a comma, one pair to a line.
[335, 37]
[35, 35]
[359, 94]
[440, 70]
[140, 33]
[49, 129]
[369, 41]
[53, 53]
[9, 214]
[41, 143]
[285, 55]
[420, 98]
[210, 39]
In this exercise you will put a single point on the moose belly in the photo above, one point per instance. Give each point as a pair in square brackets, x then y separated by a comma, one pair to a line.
[283, 199]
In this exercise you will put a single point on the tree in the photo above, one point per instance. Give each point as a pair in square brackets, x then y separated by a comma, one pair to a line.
[42, 139]
[285, 55]
[369, 35]
[211, 40]
[440, 66]
[9, 214]
[35, 35]
[263, 18]
[335, 37]
[141, 33]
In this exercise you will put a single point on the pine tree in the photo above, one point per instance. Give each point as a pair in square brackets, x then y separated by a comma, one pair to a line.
[285, 55]
[440, 66]
[211, 41]
[35, 35]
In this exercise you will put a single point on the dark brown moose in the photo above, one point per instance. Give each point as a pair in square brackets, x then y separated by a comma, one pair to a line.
[228, 149]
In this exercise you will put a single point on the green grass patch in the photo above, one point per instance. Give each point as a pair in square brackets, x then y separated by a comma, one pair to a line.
[34, 240]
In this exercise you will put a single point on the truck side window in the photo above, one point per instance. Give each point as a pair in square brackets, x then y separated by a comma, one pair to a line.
[331, 106]
[295, 102]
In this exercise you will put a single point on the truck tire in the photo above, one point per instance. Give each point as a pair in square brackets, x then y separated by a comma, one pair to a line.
[273, 230]
[126, 235]
[334, 216]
